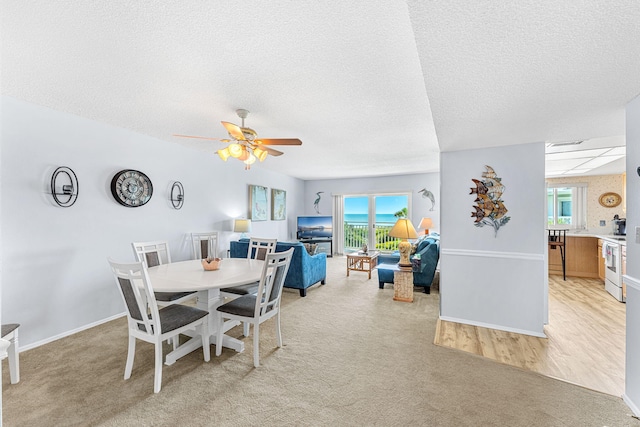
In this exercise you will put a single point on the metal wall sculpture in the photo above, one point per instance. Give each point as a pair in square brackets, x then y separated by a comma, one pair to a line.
[489, 207]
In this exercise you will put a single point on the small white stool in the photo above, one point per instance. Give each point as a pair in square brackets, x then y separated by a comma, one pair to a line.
[10, 333]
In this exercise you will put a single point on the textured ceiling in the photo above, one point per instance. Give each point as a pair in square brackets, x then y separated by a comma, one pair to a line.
[370, 88]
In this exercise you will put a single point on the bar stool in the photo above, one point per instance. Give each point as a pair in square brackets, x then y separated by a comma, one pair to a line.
[557, 239]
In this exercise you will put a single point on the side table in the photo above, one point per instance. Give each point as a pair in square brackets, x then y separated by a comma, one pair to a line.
[402, 282]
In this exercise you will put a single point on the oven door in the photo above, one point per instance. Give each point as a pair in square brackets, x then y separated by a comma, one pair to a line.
[612, 263]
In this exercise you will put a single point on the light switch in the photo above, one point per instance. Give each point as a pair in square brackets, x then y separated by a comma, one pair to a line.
[637, 234]
[603, 223]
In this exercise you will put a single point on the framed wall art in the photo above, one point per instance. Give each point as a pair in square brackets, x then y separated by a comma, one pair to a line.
[258, 203]
[278, 204]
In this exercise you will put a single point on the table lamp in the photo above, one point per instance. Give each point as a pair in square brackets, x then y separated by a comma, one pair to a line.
[425, 223]
[242, 226]
[403, 230]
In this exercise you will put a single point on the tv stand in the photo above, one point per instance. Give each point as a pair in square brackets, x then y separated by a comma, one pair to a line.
[328, 240]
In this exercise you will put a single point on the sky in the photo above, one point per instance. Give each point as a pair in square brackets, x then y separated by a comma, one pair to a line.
[384, 204]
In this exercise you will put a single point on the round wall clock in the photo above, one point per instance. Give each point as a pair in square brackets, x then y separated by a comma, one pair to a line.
[131, 188]
[610, 200]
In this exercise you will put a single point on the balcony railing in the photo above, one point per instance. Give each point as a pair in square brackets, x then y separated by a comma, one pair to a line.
[356, 235]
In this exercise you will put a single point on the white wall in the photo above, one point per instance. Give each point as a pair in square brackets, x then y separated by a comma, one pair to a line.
[498, 281]
[55, 276]
[632, 279]
[413, 183]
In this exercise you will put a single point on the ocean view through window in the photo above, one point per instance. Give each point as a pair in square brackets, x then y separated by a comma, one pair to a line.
[368, 219]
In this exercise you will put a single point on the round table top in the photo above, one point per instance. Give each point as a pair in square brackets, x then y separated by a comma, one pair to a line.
[191, 276]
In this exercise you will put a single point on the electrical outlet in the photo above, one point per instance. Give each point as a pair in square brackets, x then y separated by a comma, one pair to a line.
[603, 223]
[637, 234]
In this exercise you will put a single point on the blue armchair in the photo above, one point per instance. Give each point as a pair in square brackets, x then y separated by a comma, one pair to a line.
[423, 272]
[304, 271]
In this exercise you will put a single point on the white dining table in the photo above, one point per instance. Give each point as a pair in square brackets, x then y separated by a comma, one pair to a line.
[189, 275]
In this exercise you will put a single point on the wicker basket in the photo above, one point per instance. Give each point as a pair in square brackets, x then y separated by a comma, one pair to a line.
[211, 264]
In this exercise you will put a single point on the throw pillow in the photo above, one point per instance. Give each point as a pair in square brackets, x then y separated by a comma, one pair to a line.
[311, 248]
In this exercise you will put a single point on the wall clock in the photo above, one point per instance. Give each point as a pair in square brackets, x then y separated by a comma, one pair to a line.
[131, 188]
[610, 200]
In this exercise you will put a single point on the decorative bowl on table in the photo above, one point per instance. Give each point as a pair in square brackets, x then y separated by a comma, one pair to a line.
[211, 264]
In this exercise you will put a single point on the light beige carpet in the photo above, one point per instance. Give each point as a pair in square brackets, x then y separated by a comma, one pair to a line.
[352, 357]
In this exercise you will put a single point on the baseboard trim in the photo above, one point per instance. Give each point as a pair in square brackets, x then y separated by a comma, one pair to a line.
[493, 254]
[632, 282]
[631, 405]
[71, 332]
[491, 326]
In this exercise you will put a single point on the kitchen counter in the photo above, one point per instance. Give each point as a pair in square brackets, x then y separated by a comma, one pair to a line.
[586, 233]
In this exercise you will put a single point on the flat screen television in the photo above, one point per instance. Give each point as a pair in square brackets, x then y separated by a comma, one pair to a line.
[314, 227]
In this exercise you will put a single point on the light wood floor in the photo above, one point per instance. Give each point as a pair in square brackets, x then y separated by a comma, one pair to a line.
[585, 344]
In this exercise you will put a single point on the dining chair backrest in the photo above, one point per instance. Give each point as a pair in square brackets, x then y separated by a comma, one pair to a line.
[205, 245]
[137, 293]
[152, 253]
[274, 272]
[259, 248]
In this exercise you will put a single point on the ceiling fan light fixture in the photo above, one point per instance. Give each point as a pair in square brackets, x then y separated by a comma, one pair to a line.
[245, 154]
[251, 159]
[235, 150]
[224, 153]
[260, 153]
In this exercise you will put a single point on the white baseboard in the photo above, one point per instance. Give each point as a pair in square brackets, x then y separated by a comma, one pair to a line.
[496, 327]
[631, 405]
[66, 334]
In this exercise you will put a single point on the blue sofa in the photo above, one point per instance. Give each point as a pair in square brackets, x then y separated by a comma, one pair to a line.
[304, 271]
[429, 249]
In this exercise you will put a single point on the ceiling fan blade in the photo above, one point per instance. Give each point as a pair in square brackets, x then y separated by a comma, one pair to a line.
[234, 130]
[272, 152]
[197, 137]
[279, 141]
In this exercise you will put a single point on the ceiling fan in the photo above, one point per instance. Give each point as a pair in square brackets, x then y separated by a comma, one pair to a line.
[244, 144]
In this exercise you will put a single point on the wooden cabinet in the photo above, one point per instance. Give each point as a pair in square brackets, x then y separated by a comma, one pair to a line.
[601, 261]
[580, 257]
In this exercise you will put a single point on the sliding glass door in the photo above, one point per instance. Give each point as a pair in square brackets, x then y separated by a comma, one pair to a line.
[368, 219]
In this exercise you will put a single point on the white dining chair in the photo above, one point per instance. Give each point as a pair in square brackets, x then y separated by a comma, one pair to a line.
[259, 248]
[205, 245]
[149, 323]
[157, 253]
[255, 309]
[10, 333]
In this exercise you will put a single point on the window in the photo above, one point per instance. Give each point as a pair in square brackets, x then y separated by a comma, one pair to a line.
[566, 205]
[368, 219]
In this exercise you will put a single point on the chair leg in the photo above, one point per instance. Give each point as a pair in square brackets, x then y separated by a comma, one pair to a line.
[256, 344]
[14, 359]
[157, 380]
[219, 333]
[130, 355]
[204, 329]
[278, 331]
[245, 329]
[176, 342]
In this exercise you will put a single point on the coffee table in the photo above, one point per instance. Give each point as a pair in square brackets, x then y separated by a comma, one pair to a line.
[360, 261]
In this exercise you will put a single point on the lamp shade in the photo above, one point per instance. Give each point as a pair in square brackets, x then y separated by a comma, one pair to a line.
[241, 225]
[426, 224]
[403, 229]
